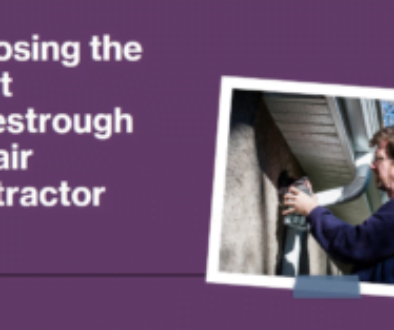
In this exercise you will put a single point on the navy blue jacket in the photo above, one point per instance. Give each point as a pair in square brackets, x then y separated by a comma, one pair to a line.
[369, 246]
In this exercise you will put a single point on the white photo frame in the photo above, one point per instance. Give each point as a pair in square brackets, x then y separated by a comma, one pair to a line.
[228, 84]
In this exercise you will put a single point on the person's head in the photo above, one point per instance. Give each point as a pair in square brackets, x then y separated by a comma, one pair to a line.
[383, 163]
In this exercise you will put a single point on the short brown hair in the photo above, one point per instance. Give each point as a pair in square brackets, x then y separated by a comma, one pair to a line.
[384, 134]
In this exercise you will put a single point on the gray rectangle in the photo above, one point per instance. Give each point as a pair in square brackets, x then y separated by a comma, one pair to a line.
[327, 287]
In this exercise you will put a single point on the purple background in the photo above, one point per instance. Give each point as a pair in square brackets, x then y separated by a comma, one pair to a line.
[155, 215]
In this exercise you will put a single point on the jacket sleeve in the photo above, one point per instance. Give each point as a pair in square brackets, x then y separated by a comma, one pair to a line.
[370, 242]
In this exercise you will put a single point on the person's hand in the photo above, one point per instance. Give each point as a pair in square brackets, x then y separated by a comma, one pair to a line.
[299, 202]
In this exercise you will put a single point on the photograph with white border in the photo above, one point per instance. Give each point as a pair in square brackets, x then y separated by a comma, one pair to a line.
[273, 135]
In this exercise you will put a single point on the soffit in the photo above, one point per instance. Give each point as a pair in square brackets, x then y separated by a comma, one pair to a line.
[315, 131]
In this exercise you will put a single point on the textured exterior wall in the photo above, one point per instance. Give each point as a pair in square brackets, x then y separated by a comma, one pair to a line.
[242, 231]
[252, 235]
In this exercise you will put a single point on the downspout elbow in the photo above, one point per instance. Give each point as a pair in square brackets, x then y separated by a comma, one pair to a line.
[354, 189]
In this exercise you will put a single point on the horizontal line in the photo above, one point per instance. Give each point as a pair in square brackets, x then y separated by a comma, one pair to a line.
[105, 275]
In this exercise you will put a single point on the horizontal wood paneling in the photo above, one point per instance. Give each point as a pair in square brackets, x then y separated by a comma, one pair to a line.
[310, 132]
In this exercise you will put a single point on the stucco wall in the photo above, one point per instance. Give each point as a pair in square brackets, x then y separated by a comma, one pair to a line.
[252, 235]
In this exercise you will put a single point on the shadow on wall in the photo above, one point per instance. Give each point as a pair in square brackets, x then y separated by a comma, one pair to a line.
[253, 232]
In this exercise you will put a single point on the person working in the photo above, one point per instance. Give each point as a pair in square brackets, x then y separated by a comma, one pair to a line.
[370, 245]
